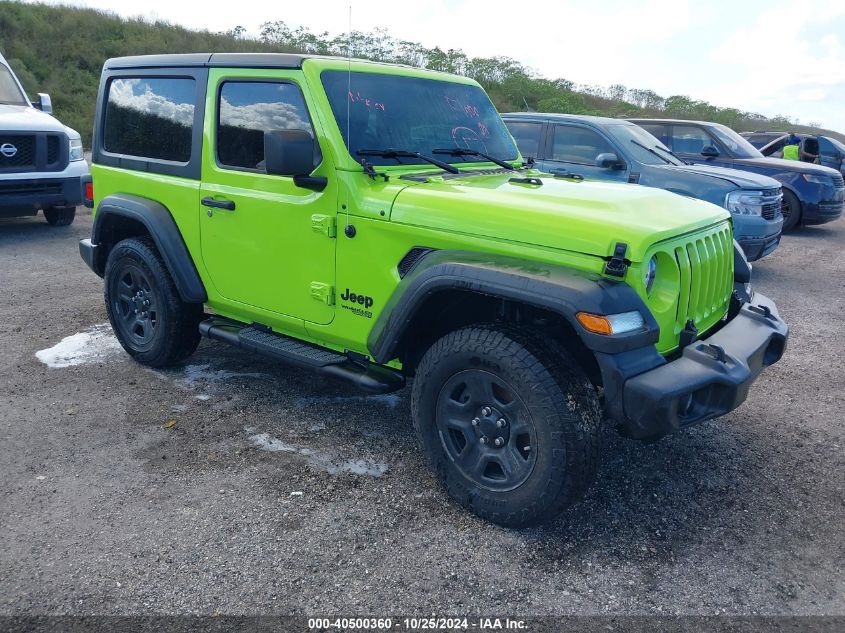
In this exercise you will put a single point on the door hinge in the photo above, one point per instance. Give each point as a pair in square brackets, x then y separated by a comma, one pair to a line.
[322, 292]
[326, 224]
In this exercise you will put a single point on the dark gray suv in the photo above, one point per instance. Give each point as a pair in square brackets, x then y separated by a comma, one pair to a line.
[611, 149]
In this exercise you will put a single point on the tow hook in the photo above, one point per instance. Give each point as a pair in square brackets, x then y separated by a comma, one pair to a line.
[764, 310]
[718, 353]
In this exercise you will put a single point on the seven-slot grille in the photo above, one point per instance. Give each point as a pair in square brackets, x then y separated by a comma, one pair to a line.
[706, 280]
[703, 263]
[36, 152]
[838, 180]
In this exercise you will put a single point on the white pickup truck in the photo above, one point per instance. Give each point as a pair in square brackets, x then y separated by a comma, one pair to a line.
[41, 161]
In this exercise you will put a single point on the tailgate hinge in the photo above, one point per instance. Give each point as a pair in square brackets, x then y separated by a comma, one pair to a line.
[325, 224]
[617, 265]
[322, 292]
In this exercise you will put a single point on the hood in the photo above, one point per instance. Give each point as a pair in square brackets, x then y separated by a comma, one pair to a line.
[741, 179]
[779, 165]
[26, 119]
[586, 217]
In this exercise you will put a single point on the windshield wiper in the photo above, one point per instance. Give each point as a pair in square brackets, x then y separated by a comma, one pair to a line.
[461, 151]
[674, 155]
[651, 151]
[402, 153]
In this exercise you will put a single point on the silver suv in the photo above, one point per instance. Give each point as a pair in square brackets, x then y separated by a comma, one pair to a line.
[41, 161]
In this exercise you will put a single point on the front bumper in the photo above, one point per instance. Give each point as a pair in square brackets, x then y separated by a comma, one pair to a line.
[28, 196]
[758, 247]
[824, 213]
[757, 236]
[711, 378]
[88, 252]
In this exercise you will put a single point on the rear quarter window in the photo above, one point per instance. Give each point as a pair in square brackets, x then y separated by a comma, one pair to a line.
[150, 117]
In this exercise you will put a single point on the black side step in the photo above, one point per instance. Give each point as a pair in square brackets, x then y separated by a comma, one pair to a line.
[364, 375]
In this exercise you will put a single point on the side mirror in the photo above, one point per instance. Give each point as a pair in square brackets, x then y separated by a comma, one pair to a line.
[44, 103]
[710, 152]
[288, 152]
[608, 160]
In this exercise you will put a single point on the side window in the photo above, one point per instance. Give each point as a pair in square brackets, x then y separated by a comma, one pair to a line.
[776, 149]
[580, 145]
[150, 117]
[527, 137]
[689, 139]
[247, 109]
[657, 130]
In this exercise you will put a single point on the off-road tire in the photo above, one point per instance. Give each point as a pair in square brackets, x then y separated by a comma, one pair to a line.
[792, 211]
[137, 278]
[563, 407]
[60, 216]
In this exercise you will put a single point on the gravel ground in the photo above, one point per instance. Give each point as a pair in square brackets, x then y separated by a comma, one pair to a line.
[233, 485]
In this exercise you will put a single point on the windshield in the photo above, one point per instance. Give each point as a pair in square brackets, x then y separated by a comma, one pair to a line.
[415, 115]
[10, 94]
[626, 133]
[738, 146]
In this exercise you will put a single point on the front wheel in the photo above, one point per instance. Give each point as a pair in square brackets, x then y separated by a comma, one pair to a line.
[147, 314]
[60, 216]
[791, 210]
[510, 422]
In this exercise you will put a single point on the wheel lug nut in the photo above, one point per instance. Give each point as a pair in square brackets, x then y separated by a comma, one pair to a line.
[501, 423]
[485, 411]
[499, 441]
[475, 421]
[483, 440]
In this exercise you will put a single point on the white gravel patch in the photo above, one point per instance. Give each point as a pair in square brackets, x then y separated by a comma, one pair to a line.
[318, 459]
[94, 345]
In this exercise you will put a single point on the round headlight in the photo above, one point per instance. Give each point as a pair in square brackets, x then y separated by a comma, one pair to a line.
[650, 274]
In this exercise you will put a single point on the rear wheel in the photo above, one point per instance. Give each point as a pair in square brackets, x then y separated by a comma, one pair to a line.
[147, 314]
[510, 423]
[791, 210]
[60, 216]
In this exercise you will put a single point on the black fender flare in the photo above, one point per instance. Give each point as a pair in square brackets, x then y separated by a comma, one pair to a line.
[162, 228]
[562, 290]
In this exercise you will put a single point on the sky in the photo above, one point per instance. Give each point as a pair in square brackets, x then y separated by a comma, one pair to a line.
[775, 57]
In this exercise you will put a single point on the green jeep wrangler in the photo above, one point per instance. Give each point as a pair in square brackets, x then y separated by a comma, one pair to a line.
[375, 223]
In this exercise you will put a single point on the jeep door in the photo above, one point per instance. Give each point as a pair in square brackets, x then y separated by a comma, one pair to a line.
[266, 242]
[574, 148]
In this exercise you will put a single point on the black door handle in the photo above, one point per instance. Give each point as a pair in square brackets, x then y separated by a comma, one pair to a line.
[218, 204]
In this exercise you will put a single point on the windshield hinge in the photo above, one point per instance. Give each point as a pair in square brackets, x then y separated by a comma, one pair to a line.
[326, 224]
[371, 172]
[617, 265]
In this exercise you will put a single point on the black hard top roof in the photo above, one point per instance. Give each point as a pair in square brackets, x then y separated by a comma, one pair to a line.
[209, 60]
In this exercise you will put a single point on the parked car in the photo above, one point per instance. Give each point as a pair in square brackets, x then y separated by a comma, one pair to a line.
[615, 150]
[372, 222]
[761, 138]
[812, 194]
[830, 151]
[41, 160]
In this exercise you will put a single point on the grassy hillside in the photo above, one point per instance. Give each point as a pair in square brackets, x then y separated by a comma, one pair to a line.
[60, 50]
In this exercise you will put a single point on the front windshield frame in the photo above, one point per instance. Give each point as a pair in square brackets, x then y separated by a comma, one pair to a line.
[736, 144]
[624, 133]
[469, 108]
[9, 83]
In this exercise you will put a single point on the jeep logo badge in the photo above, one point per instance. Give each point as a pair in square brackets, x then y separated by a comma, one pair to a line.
[8, 150]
